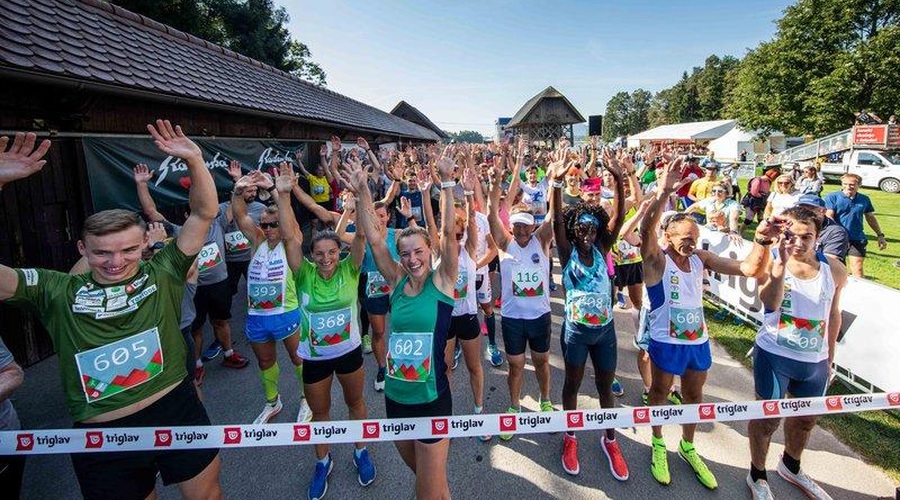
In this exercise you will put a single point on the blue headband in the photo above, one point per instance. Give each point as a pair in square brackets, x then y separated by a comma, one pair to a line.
[587, 218]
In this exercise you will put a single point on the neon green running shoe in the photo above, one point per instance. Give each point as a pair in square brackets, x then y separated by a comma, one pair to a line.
[547, 405]
[659, 462]
[689, 454]
[507, 437]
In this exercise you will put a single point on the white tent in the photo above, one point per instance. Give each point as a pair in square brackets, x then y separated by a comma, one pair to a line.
[696, 132]
[728, 147]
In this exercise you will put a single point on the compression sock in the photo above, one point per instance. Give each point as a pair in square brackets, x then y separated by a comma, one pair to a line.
[269, 378]
[756, 474]
[363, 323]
[491, 324]
[791, 463]
[298, 371]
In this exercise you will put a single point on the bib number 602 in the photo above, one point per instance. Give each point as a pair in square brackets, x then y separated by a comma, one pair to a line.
[119, 356]
[408, 347]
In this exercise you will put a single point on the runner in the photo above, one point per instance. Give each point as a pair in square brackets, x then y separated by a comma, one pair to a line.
[237, 246]
[794, 349]
[588, 328]
[525, 310]
[125, 306]
[422, 303]
[273, 312]
[679, 343]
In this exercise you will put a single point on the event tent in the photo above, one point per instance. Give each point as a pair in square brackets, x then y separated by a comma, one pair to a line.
[729, 146]
[695, 132]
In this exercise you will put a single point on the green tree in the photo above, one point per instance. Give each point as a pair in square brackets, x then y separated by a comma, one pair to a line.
[254, 28]
[469, 136]
[615, 119]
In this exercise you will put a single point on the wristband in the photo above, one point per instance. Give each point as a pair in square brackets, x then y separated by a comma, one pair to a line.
[271, 188]
[469, 193]
[448, 184]
[880, 235]
[762, 242]
[558, 184]
[411, 218]
[236, 192]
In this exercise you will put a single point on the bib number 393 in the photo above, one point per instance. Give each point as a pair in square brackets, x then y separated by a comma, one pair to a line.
[122, 365]
[265, 296]
[409, 356]
[686, 324]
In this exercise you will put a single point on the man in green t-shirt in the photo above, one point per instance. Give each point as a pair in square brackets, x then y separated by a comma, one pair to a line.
[116, 329]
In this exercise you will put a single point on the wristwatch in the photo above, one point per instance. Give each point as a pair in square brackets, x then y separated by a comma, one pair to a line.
[157, 246]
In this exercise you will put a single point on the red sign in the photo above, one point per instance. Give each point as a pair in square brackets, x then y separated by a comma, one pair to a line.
[874, 135]
[833, 403]
[371, 430]
[232, 435]
[770, 407]
[641, 415]
[507, 423]
[893, 398]
[575, 420]
[93, 439]
[301, 432]
[24, 442]
[707, 412]
[163, 438]
[439, 427]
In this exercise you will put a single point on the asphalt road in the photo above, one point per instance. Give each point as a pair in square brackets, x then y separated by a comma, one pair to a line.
[524, 467]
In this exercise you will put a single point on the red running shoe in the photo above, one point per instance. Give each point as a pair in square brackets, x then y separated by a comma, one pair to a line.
[617, 464]
[570, 455]
[235, 361]
[198, 375]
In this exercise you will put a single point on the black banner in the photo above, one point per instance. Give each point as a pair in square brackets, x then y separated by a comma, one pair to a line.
[110, 162]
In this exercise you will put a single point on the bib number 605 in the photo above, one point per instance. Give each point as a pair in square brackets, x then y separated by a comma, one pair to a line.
[119, 356]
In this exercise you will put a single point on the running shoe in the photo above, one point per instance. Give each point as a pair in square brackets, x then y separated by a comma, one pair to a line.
[365, 469]
[379, 380]
[570, 455]
[547, 405]
[617, 464]
[507, 437]
[617, 389]
[269, 411]
[367, 344]
[759, 490]
[495, 355]
[199, 372]
[213, 351]
[552, 286]
[235, 361]
[659, 462]
[645, 398]
[689, 454]
[675, 398]
[802, 481]
[304, 414]
[620, 300]
[319, 484]
[456, 352]
[498, 302]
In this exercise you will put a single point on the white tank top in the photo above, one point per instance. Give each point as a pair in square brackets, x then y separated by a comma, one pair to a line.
[524, 280]
[676, 305]
[464, 288]
[270, 282]
[798, 329]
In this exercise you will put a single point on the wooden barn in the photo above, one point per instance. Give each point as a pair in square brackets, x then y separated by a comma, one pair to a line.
[546, 117]
[80, 71]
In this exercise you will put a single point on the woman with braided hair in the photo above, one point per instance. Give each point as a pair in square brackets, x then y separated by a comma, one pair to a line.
[583, 238]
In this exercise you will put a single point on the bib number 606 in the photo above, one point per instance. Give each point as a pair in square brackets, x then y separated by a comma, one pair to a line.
[119, 356]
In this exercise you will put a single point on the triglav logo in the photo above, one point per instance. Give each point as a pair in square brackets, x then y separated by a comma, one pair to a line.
[93, 439]
[770, 408]
[833, 403]
[163, 437]
[893, 398]
[439, 426]
[707, 412]
[301, 433]
[24, 442]
[507, 423]
[575, 420]
[232, 435]
[371, 430]
[641, 415]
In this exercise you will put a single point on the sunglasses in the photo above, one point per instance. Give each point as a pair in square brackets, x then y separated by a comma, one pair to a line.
[269, 225]
[719, 191]
[676, 218]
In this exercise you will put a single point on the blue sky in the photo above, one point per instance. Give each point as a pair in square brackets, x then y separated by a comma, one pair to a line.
[464, 63]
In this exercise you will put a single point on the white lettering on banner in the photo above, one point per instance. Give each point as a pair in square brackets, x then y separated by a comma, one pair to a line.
[271, 156]
[147, 438]
[173, 164]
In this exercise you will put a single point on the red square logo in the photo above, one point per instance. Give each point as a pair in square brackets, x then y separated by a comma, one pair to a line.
[371, 430]
[163, 437]
[302, 433]
[575, 420]
[833, 403]
[93, 439]
[707, 412]
[641, 415]
[507, 423]
[439, 426]
[232, 435]
[24, 442]
[770, 408]
[893, 398]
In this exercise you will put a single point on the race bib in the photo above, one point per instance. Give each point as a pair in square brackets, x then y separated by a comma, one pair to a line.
[461, 288]
[208, 258]
[627, 252]
[589, 308]
[686, 324]
[265, 296]
[376, 285]
[236, 242]
[122, 365]
[528, 282]
[329, 328]
[409, 356]
[801, 335]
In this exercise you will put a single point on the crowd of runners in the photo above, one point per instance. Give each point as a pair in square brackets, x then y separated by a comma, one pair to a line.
[399, 265]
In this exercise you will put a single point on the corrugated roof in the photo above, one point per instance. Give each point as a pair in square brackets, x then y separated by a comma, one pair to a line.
[409, 112]
[97, 42]
[531, 104]
[686, 131]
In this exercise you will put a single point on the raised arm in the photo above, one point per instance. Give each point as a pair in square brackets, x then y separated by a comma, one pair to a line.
[239, 209]
[613, 167]
[142, 177]
[654, 263]
[563, 246]
[755, 264]
[202, 195]
[321, 213]
[287, 221]
[344, 221]
[469, 180]
[424, 184]
[364, 144]
[447, 270]
[299, 157]
[500, 234]
[556, 171]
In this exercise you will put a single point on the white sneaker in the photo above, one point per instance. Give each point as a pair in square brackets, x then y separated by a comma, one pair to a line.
[305, 414]
[802, 481]
[379, 381]
[759, 489]
[269, 411]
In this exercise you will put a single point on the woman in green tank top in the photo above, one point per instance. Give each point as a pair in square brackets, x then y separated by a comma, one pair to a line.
[416, 384]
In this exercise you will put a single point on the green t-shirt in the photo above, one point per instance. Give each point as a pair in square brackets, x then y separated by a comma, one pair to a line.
[328, 327]
[118, 344]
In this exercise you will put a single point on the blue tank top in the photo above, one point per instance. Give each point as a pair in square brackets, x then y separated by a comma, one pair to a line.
[588, 293]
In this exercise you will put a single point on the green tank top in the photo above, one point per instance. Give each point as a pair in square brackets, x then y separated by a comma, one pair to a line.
[416, 370]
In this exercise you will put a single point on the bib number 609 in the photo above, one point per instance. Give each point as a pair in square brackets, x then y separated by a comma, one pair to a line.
[119, 356]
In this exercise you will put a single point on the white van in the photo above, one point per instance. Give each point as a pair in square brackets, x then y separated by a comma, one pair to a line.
[877, 168]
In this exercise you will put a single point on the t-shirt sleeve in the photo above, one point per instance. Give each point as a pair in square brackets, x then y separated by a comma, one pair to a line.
[829, 203]
[869, 207]
[835, 243]
[173, 261]
[36, 286]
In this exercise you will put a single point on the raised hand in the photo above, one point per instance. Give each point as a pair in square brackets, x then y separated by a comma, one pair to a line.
[246, 181]
[405, 207]
[469, 179]
[423, 180]
[335, 143]
[594, 140]
[349, 201]
[669, 175]
[234, 170]
[361, 142]
[354, 175]
[172, 141]
[286, 179]
[22, 159]
[156, 232]
[772, 228]
[142, 173]
[323, 149]
[445, 168]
